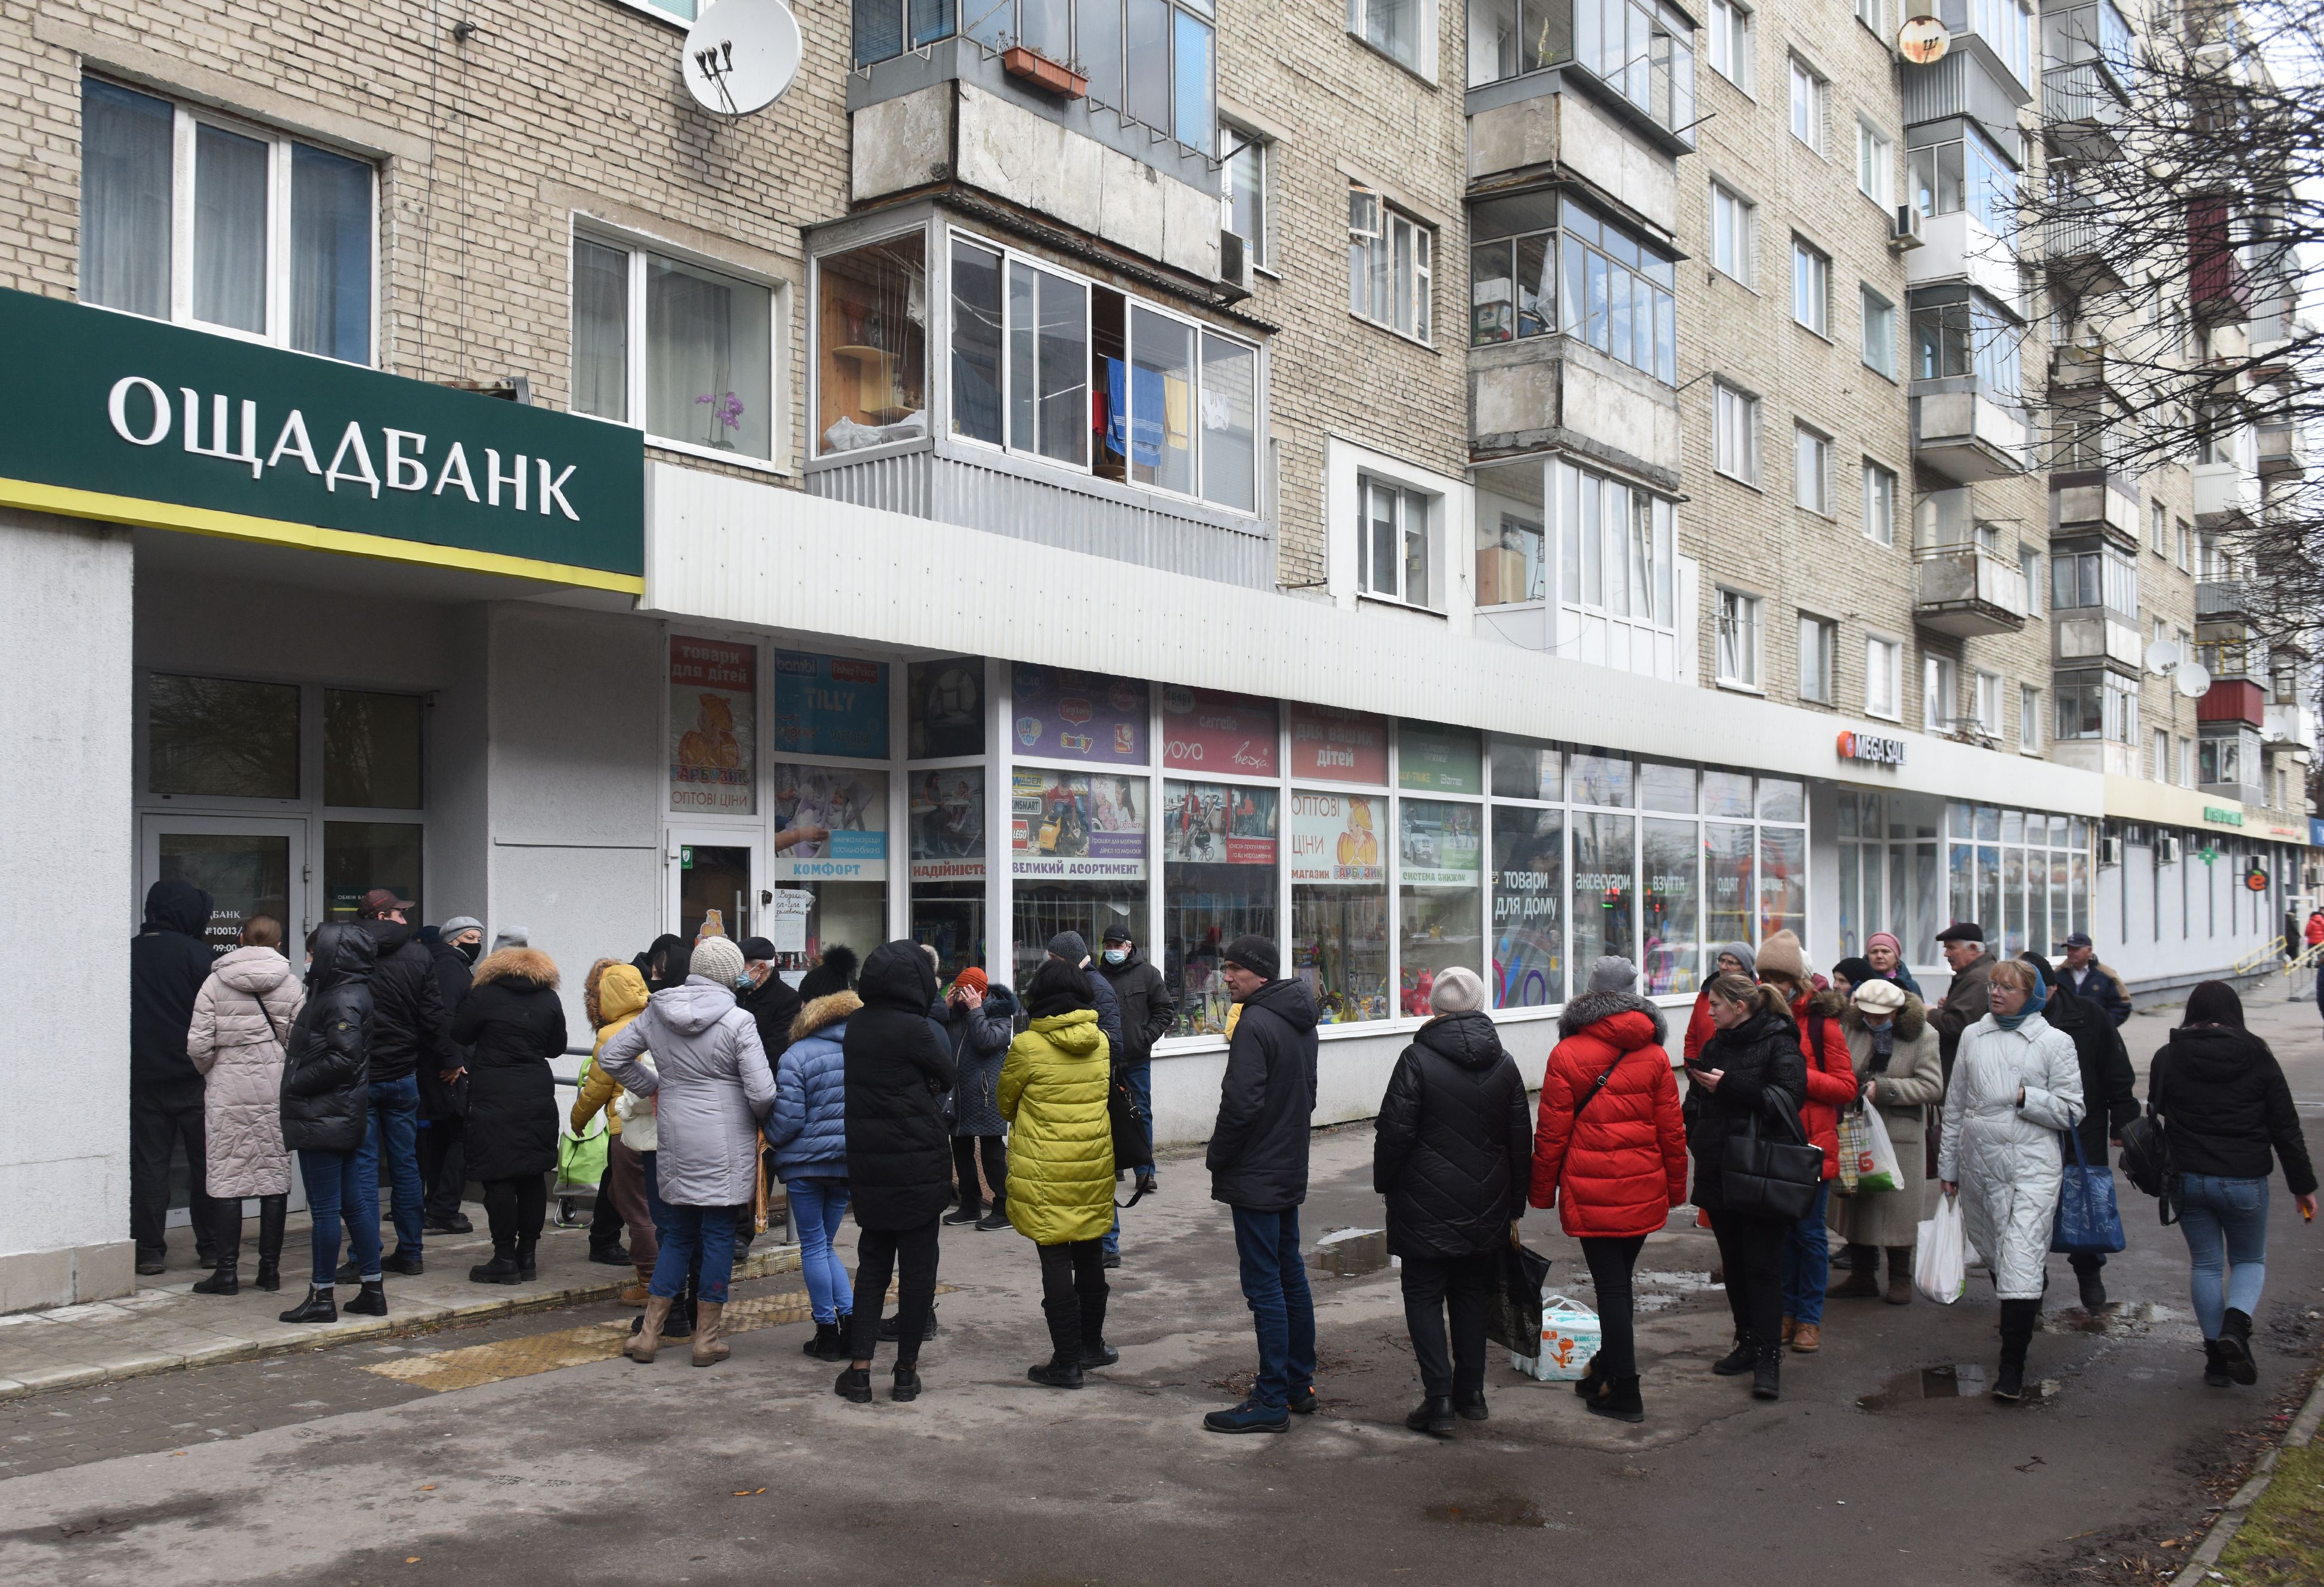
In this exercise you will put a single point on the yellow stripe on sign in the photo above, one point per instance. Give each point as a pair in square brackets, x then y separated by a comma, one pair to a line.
[140, 513]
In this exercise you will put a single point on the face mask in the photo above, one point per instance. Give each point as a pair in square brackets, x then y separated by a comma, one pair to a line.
[744, 982]
[469, 950]
[1116, 956]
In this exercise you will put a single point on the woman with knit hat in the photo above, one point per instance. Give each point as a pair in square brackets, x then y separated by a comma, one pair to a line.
[978, 1020]
[1831, 1086]
[1449, 1152]
[1885, 955]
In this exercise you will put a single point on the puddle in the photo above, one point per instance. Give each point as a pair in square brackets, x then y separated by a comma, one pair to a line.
[1956, 1381]
[2137, 1319]
[1351, 1253]
[1500, 1509]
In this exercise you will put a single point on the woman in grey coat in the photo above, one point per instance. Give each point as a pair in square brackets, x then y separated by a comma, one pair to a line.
[710, 1086]
[2015, 1083]
[241, 1020]
[1899, 1071]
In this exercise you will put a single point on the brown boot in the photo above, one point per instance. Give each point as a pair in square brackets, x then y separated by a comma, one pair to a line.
[648, 1338]
[1790, 1326]
[1807, 1338]
[709, 1349]
[637, 1294]
[1863, 1275]
[1900, 1276]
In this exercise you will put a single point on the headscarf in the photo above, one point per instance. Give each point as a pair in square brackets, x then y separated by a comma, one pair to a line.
[2033, 1000]
[2215, 1002]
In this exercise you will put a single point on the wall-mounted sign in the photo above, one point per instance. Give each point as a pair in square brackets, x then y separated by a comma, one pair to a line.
[2223, 816]
[1077, 825]
[1224, 734]
[1872, 750]
[1078, 715]
[1335, 838]
[831, 823]
[2257, 880]
[1439, 760]
[830, 706]
[714, 724]
[1217, 823]
[125, 419]
[1923, 41]
[1338, 746]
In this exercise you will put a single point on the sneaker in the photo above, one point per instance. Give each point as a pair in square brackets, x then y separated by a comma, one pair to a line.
[1302, 1401]
[854, 1385]
[965, 1215]
[995, 1219]
[1113, 1259]
[407, 1263]
[1249, 1416]
[2009, 1386]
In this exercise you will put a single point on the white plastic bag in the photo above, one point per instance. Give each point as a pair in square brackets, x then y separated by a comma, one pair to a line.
[1941, 1264]
[1876, 1169]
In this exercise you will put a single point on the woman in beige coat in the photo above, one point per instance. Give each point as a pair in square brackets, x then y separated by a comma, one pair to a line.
[242, 1019]
[1900, 1071]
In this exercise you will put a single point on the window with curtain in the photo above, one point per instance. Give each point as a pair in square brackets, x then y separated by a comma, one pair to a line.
[275, 243]
[685, 351]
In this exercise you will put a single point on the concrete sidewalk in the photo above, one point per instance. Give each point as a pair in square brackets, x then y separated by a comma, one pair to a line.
[165, 1325]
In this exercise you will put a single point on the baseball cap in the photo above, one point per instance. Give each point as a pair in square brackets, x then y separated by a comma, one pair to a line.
[379, 900]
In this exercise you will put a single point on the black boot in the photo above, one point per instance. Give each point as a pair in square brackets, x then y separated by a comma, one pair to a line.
[1592, 1380]
[2093, 1288]
[1621, 1401]
[2234, 1348]
[526, 1245]
[270, 1274]
[1739, 1360]
[272, 1210]
[891, 1329]
[406, 1262]
[223, 1281]
[970, 1210]
[371, 1303]
[501, 1269]
[854, 1384]
[1767, 1373]
[1063, 1369]
[826, 1345]
[348, 1272]
[2215, 1366]
[1433, 1416]
[316, 1308]
[904, 1382]
[1472, 1407]
[1095, 1352]
[2018, 1319]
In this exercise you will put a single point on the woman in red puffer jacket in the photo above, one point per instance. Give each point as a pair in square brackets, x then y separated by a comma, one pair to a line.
[1609, 1154]
[1831, 1086]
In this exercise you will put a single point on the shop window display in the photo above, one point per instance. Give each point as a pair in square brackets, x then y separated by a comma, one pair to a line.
[1339, 903]
[1605, 888]
[1727, 853]
[1077, 858]
[830, 866]
[1783, 881]
[1528, 965]
[948, 864]
[1670, 852]
[1439, 899]
[1219, 845]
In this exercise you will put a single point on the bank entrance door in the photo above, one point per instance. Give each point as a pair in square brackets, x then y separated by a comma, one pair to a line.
[249, 865]
[714, 870]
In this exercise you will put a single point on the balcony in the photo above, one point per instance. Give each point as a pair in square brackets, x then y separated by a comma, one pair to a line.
[2088, 364]
[2290, 725]
[2084, 636]
[2226, 494]
[1965, 431]
[2105, 501]
[1961, 248]
[2219, 601]
[2282, 449]
[1968, 591]
[2079, 246]
[2082, 114]
[1632, 60]
[2218, 281]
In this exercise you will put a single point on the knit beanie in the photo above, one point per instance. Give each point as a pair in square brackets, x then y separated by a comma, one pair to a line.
[716, 958]
[1780, 954]
[1878, 937]
[974, 979]
[1071, 946]
[1856, 971]
[1457, 991]
[1741, 952]
[1255, 953]
[1613, 973]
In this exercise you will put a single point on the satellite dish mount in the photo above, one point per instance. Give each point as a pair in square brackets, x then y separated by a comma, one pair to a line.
[741, 55]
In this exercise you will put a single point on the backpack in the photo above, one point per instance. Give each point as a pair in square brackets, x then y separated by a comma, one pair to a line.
[2146, 1156]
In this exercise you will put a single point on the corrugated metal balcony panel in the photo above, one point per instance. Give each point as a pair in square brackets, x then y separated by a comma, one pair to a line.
[2078, 247]
[1965, 82]
[1151, 533]
[2217, 600]
[2231, 699]
[2081, 114]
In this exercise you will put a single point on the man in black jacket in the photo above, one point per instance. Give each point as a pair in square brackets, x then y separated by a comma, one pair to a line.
[1257, 1160]
[454, 948]
[410, 1027]
[168, 960]
[2109, 1091]
[1147, 1011]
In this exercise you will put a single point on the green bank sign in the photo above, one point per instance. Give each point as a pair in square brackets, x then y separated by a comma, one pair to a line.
[108, 416]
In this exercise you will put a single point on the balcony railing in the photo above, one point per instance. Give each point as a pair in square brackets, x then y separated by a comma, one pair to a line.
[2082, 113]
[1967, 591]
[2079, 244]
[2102, 499]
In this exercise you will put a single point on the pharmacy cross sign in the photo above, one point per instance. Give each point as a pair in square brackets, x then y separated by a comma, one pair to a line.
[113, 417]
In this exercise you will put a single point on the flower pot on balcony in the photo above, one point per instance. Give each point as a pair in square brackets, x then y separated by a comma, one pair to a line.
[1042, 72]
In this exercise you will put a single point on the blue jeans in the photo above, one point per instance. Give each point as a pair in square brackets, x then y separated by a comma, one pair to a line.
[1141, 1080]
[2225, 1222]
[708, 1230]
[396, 1113]
[817, 1207]
[1807, 1262]
[1283, 1312]
[335, 1181]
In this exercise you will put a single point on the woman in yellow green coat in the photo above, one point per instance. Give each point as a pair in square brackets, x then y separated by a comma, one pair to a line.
[1053, 1087]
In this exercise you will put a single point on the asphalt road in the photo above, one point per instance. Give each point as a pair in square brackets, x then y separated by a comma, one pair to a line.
[326, 1469]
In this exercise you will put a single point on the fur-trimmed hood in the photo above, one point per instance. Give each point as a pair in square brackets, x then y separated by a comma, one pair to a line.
[1910, 1021]
[1821, 1000]
[1591, 1006]
[822, 1012]
[517, 965]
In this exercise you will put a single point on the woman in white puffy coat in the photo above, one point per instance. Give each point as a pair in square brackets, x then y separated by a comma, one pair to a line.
[2016, 1083]
[241, 1023]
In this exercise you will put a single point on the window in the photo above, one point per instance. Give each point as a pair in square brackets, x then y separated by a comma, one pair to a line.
[1243, 193]
[1392, 542]
[1940, 698]
[2219, 759]
[1884, 661]
[1734, 235]
[2081, 579]
[2158, 529]
[1873, 14]
[1618, 289]
[2159, 767]
[683, 353]
[1811, 286]
[2096, 707]
[1641, 50]
[1735, 433]
[1967, 333]
[1615, 552]
[1392, 27]
[2185, 558]
[1968, 172]
[872, 346]
[1149, 60]
[1730, 42]
[1739, 639]
[1879, 332]
[2186, 762]
[1876, 164]
[1810, 92]
[1389, 265]
[1812, 469]
[1880, 503]
[2029, 564]
[193, 219]
[1818, 651]
[1988, 703]
[2008, 26]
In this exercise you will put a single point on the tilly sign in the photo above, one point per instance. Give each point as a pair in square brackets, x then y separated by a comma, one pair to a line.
[111, 417]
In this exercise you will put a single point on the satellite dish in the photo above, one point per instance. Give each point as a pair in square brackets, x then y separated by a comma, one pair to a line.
[741, 55]
[2161, 656]
[2192, 679]
[1923, 41]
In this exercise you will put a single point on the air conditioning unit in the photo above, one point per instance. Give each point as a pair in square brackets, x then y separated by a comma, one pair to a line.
[2109, 851]
[1906, 233]
[2166, 849]
[1234, 265]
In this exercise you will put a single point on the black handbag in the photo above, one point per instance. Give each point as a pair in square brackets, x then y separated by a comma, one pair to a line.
[2146, 1155]
[1133, 1136]
[1769, 1178]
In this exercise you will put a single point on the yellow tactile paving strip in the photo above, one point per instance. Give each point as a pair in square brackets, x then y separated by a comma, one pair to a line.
[473, 1365]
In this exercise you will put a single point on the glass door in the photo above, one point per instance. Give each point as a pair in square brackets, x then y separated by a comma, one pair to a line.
[249, 866]
[715, 877]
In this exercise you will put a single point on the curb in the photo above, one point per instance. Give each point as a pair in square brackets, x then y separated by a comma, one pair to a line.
[761, 1264]
[2223, 1531]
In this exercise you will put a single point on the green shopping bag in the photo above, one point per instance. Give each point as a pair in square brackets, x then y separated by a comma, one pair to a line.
[581, 1158]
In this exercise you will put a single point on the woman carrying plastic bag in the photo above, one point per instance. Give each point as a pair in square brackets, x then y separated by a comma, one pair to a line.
[1893, 1044]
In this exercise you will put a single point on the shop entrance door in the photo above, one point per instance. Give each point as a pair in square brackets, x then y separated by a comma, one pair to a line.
[714, 870]
[249, 866]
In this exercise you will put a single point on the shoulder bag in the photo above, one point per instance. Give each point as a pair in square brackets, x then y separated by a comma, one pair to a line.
[2146, 1155]
[1762, 1177]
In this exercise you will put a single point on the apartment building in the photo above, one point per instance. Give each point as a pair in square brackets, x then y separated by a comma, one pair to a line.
[1040, 473]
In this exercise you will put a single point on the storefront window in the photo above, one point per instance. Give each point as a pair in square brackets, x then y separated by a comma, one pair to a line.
[2013, 900]
[830, 869]
[370, 749]
[1078, 715]
[1526, 769]
[714, 724]
[1219, 855]
[1439, 760]
[1670, 854]
[1440, 902]
[1665, 787]
[948, 863]
[830, 706]
[1727, 883]
[871, 325]
[359, 855]
[220, 737]
[1727, 793]
[946, 710]
[1782, 880]
[1077, 858]
[1339, 901]
[1604, 887]
[1783, 799]
[1528, 905]
[1592, 777]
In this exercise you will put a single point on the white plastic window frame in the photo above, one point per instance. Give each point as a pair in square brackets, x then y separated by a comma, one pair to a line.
[1884, 661]
[1741, 612]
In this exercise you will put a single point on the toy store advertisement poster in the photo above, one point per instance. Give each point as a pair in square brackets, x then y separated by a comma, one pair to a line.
[1079, 716]
[1335, 838]
[1077, 825]
[713, 714]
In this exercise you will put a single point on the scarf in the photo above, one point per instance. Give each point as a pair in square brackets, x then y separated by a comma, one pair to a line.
[2033, 1002]
[1884, 1046]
